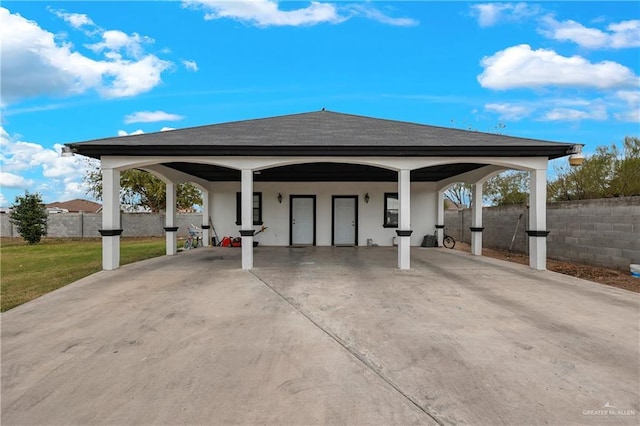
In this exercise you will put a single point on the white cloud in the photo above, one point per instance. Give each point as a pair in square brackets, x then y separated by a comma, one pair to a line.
[21, 156]
[49, 172]
[140, 131]
[76, 20]
[570, 108]
[135, 132]
[619, 35]
[3, 201]
[625, 34]
[631, 110]
[113, 41]
[190, 65]
[632, 116]
[507, 111]
[490, 14]
[10, 180]
[630, 96]
[571, 114]
[30, 52]
[264, 13]
[521, 67]
[151, 117]
[366, 10]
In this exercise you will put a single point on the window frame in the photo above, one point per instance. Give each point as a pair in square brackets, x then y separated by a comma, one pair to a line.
[387, 195]
[239, 208]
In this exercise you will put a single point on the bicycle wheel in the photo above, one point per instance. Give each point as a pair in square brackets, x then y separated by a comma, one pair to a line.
[188, 244]
[448, 242]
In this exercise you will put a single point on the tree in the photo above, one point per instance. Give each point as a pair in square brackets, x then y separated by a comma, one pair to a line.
[609, 172]
[142, 189]
[508, 188]
[459, 194]
[30, 217]
[626, 178]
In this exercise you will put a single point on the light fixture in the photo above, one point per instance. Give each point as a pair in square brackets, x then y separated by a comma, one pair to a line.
[67, 151]
[576, 158]
[366, 198]
[280, 198]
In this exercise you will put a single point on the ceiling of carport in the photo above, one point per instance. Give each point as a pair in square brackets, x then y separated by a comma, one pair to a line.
[323, 172]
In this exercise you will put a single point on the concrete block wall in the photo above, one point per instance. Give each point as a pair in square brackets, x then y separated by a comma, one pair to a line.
[86, 225]
[604, 232]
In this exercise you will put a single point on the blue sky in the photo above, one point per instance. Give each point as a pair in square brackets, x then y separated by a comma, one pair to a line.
[73, 71]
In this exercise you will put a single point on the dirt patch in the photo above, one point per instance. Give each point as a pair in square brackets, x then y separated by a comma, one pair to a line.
[596, 274]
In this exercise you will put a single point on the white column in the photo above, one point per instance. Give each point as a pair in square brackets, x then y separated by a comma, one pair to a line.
[206, 230]
[171, 231]
[440, 217]
[476, 220]
[246, 230]
[110, 219]
[404, 219]
[538, 219]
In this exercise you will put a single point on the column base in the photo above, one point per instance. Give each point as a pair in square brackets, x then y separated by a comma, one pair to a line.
[476, 240]
[171, 238]
[440, 234]
[247, 248]
[110, 251]
[404, 249]
[538, 249]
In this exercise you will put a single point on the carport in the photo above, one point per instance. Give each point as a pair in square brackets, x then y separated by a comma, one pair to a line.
[329, 156]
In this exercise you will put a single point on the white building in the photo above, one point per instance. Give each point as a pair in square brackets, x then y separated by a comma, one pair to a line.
[323, 178]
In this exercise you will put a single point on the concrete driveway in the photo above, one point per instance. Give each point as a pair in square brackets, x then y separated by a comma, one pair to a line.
[323, 335]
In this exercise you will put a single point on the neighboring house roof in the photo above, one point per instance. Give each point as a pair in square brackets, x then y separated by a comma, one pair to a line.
[77, 205]
[321, 134]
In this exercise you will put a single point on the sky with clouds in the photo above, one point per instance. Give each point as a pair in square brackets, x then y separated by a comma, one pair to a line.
[74, 71]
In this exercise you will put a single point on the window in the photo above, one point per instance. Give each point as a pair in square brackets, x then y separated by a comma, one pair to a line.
[390, 210]
[257, 208]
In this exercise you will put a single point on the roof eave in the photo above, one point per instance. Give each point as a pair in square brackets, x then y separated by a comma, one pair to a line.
[550, 151]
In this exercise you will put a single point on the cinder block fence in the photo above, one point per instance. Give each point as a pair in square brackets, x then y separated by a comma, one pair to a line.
[86, 225]
[604, 232]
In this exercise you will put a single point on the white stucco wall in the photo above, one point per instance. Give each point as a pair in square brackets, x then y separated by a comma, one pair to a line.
[275, 215]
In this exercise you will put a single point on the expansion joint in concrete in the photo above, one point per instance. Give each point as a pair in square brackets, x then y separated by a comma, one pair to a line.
[349, 349]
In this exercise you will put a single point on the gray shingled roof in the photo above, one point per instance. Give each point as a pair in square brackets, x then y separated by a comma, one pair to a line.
[320, 133]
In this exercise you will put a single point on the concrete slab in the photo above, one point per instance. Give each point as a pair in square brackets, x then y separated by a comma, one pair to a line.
[323, 335]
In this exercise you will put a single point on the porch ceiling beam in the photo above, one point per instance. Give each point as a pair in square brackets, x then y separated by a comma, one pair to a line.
[471, 177]
[176, 176]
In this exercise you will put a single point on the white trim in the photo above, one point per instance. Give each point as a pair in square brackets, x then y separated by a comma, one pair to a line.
[538, 218]
[476, 219]
[110, 218]
[170, 219]
[404, 218]
[390, 163]
[247, 217]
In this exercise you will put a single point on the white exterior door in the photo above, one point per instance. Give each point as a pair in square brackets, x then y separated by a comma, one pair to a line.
[345, 220]
[303, 227]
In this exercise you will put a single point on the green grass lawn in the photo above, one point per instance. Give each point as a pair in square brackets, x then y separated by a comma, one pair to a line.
[28, 271]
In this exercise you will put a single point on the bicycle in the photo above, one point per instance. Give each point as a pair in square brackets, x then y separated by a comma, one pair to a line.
[194, 240]
[447, 240]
